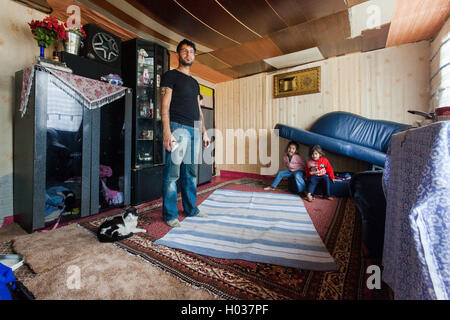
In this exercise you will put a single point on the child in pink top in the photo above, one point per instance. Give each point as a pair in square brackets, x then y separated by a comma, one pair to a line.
[295, 165]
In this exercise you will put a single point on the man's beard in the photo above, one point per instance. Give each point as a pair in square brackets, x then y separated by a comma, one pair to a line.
[185, 63]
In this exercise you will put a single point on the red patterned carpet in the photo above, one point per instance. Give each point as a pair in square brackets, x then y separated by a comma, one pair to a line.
[337, 222]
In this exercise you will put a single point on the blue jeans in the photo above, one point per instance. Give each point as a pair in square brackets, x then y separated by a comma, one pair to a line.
[286, 174]
[313, 181]
[181, 163]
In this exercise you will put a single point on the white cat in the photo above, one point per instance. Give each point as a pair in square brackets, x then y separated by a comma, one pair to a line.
[120, 227]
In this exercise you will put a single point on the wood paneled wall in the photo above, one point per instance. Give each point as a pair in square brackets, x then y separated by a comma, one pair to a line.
[380, 84]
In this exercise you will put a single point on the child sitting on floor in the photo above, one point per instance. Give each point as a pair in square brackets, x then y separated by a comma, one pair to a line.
[318, 170]
[295, 165]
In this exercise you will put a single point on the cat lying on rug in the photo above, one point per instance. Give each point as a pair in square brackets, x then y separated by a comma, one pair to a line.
[120, 227]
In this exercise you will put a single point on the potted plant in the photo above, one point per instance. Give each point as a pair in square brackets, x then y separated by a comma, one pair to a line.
[74, 35]
[46, 32]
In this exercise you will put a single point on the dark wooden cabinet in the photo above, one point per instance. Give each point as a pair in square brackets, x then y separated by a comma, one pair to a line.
[111, 131]
[57, 155]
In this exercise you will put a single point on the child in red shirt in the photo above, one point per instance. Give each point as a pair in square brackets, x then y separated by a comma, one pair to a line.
[318, 170]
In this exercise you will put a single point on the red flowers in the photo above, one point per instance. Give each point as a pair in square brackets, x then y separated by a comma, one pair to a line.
[47, 31]
[82, 31]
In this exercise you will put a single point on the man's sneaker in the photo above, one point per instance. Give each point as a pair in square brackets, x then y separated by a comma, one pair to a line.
[269, 188]
[174, 223]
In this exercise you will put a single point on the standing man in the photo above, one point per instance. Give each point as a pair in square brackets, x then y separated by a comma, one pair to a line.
[181, 113]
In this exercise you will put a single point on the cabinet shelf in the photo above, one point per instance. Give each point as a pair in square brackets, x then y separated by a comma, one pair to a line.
[146, 86]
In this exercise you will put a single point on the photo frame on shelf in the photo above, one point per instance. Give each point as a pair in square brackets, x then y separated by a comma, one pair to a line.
[297, 83]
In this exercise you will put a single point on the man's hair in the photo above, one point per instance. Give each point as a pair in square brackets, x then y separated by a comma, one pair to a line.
[186, 42]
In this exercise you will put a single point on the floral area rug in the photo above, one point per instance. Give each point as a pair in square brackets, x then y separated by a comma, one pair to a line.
[337, 222]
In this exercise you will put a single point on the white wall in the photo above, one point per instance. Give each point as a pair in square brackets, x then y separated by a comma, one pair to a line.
[18, 50]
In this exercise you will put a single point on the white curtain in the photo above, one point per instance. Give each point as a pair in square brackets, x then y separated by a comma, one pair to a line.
[440, 69]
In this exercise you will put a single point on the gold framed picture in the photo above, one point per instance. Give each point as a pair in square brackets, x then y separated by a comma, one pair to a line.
[296, 83]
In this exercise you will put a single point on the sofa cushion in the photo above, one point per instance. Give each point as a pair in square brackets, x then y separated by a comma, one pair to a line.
[374, 134]
[333, 145]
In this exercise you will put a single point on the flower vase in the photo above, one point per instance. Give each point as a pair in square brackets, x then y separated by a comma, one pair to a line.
[72, 44]
[42, 54]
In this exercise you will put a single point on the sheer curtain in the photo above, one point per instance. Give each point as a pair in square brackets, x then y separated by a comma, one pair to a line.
[440, 69]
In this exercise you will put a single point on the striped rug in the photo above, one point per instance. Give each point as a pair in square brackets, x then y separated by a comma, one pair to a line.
[269, 228]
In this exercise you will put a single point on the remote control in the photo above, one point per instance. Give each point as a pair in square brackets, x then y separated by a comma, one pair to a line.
[174, 145]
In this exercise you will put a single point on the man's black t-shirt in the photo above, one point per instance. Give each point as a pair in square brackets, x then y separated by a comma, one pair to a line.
[185, 91]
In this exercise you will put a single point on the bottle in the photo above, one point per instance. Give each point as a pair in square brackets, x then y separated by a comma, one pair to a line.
[55, 56]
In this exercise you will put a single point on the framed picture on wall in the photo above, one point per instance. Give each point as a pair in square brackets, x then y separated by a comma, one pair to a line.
[296, 83]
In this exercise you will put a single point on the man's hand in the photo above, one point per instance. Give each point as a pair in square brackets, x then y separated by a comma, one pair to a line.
[206, 141]
[167, 141]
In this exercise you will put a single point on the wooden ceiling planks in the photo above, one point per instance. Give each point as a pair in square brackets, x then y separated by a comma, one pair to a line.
[375, 39]
[299, 11]
[215, 16]
[248, 52]
[105, 5]
[294, 38]
[416, 20]
[341, 47]
[232, 73]
[90, 16]
[351, 3]
[200, 70]
[257, 15]
[331, 28]
[253, 68]
[315, 33]
[243, 33]
[290, 11]
[212, 61]
[176, 18]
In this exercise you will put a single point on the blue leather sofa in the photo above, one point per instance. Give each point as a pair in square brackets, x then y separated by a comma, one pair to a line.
[348, 134]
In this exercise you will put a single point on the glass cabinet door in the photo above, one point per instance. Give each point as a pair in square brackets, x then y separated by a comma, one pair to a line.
[111, 158]
[145, 104]
[160, 69]
[64, 168]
